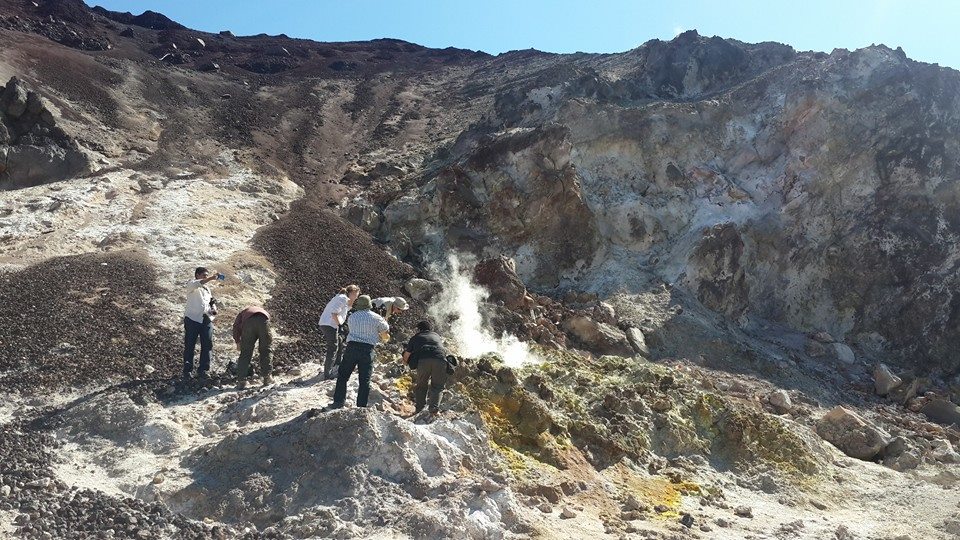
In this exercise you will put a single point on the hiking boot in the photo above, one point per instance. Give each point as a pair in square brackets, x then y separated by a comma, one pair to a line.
[267, 380]
[241, 385]
[187, 375]
[202, 375]
[434, 411]
[332, 407]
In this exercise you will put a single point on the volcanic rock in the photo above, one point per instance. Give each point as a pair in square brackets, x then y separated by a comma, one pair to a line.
[844, 353]
[421, 289]
[780, 400]
[637, 341]
[901, 455]
[34, 148]
[884, 380]
[598, 337]
[498, 275]
[852, 434]
[942, 411]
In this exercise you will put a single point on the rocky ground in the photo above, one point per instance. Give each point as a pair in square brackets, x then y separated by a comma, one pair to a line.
[700, 289]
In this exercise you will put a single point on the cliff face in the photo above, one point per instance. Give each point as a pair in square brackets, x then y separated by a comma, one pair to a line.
[818, 191]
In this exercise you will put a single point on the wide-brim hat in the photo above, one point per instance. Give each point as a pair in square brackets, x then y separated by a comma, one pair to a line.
[362, 303]
[401, 303]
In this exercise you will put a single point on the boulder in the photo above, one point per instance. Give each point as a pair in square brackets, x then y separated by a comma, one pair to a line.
[421, 289]
[598, 337]
[901, 455]
[905, 392]
[365, 216]
[942, 411]
[148, 184]
[35, 150]
[884, 380]
[637, 341]
[780, 400]
[852, 434]
[30, 165]
[14, 98]
[942, 451]
[499, 276]
[844, 353]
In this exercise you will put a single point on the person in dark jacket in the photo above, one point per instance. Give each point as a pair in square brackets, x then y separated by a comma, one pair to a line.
[251, 326]
[426, 354]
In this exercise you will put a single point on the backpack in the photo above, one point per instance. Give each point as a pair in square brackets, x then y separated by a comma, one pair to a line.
[452, 363]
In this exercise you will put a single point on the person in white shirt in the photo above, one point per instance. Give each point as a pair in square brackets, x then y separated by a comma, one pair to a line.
[334, 315]
[198, 322]
[388, 306]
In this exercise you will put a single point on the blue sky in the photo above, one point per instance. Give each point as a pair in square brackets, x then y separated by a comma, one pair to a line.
[924, 28]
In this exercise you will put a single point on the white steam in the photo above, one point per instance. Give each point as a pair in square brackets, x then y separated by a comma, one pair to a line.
[458, 307]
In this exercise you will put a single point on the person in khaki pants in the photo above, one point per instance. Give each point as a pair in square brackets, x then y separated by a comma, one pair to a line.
[252, 326]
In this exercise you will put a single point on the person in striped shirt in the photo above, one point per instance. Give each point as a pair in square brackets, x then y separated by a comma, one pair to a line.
[367, 329]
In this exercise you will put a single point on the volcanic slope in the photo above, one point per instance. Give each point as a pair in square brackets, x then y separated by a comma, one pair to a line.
[732, 265]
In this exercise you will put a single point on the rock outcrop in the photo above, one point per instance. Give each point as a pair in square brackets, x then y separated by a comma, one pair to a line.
[33, 149]
[853, 435]
[765, 204]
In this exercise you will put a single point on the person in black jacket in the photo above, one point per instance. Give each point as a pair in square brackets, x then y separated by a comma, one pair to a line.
[426, 354]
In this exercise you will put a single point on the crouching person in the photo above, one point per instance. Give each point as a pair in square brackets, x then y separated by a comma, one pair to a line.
[426, 354]
[252, 326]
[367, 329]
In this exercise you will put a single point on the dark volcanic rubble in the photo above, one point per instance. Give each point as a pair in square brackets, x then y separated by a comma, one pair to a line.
[86, 319]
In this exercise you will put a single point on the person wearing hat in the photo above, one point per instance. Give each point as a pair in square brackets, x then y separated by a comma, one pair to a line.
[367, 329]
[390, 305]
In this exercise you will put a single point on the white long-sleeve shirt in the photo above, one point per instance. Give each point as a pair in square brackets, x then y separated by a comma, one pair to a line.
[339, 305]
[198, 301]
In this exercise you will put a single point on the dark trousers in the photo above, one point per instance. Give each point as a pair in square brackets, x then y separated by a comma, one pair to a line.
[256, 330]
[334, 348]
[431, 375]
[360, 356]
[192, 331]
